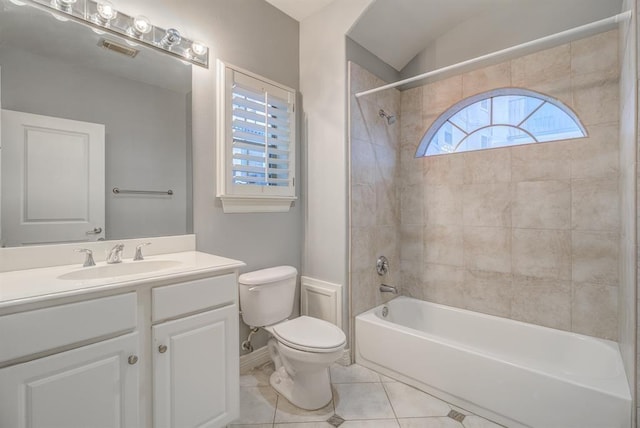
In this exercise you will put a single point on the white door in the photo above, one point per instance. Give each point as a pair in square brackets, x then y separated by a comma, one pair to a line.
[93, 386]
[53, 180]
[195, 370]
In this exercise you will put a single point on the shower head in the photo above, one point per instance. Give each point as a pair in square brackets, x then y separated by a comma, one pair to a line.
[390, 119]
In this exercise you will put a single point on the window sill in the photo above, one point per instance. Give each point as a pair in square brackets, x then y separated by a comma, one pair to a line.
[244, 204]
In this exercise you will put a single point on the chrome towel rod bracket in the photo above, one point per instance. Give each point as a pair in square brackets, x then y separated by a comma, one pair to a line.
[118, 191]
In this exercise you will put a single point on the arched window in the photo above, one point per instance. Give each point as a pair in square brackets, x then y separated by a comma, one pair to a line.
[500, 118]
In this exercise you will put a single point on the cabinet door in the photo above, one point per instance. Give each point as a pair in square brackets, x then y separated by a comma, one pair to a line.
[195, 370]
[92, 386]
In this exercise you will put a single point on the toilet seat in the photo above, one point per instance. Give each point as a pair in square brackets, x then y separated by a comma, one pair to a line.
[309, 334]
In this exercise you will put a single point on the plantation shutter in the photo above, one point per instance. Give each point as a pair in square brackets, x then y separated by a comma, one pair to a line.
[262, 118]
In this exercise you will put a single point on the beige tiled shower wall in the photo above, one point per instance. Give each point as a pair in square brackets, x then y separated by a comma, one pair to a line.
[532, 232]
[375, 203]
[628, 152]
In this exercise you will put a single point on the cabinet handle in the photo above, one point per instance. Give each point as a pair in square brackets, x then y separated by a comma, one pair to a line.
[132, 359]
[162, 349]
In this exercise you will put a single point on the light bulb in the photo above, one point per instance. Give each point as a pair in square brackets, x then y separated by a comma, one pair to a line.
[198, 49]
[65, 5]
[141, 26]
[171, 37]
[106, 11]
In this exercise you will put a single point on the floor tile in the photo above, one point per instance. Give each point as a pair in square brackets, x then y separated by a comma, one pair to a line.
[409, 402]
[287, 412]
[251, 426]
[304, 425]
[257, 405]
[437, 422]
[478, 422]
[257, 377]
[362, 401]
[378, 423]
[362, 397]
[386, 379]
[352, 374]
[460, 410]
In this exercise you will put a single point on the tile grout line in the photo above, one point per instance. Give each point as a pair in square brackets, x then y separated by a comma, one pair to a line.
[389, 399]
[275, 411]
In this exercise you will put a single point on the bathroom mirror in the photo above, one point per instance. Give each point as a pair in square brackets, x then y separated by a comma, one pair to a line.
[59, 72]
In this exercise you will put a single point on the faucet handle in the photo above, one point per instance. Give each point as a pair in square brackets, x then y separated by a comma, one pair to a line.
[88, 261]
[138, 255]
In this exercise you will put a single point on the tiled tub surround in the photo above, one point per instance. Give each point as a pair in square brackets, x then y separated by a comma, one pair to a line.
[532, 232]
[375, 202]
[496, 367]
[627, 178]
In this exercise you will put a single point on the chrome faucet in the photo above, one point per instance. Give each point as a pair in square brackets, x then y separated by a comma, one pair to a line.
[115, 255]
[88, 261]
[384, 288]
[138, 255]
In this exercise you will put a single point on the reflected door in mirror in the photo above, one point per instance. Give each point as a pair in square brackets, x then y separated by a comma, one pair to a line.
[53, 180]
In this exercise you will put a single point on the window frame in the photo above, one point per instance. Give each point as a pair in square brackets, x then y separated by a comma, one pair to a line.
[238, 198]
[489, 95]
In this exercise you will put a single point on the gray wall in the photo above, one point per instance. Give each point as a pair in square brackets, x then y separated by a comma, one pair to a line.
[253, 35]
[146, 145]
[511, 24]
[364, 58]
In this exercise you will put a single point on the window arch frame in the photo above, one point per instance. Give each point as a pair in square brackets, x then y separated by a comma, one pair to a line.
[448, 114]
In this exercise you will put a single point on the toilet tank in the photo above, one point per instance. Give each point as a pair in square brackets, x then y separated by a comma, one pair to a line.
[266, 295]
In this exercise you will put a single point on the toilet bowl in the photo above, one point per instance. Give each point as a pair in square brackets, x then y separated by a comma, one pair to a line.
[302, 348]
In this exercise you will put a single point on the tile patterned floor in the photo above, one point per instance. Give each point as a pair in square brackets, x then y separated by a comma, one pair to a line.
[362, 399]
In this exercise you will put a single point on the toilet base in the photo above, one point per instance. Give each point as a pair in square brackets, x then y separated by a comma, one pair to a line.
[310, 391]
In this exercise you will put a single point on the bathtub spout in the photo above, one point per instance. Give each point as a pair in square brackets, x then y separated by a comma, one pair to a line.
[384, 288]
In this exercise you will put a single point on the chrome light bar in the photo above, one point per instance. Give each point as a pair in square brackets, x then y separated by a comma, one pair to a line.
[101, 15]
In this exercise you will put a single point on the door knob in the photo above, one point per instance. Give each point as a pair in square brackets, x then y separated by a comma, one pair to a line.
[95, 231]
[162, 349]
[132, 359]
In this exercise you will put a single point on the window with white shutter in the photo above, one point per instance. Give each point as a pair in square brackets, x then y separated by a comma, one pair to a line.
[256, 142]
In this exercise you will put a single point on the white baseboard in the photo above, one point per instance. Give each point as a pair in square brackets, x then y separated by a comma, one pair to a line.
[261, 356]
[254, 359]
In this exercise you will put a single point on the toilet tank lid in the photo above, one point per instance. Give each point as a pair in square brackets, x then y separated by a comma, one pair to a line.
[266, 276]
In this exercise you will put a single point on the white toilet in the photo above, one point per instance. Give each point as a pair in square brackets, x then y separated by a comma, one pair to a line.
[302, 348]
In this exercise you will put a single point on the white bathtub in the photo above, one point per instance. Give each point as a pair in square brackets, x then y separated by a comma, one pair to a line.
[517, 374]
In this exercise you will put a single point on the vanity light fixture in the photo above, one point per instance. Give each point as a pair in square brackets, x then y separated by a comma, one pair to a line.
[64, 5]
[103, 17]
[105, 13]
[141, 25]
[59, 17]
[197, 49]
[172, 37]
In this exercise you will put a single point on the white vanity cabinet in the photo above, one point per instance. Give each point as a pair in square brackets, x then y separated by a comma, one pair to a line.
[156, 352]
[195, 369]
[195, 357]
[90, 385]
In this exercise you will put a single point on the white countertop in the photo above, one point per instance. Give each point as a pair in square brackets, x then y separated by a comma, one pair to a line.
[35, 285]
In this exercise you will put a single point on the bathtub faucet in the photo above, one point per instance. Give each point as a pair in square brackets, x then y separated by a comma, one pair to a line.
[384, 288]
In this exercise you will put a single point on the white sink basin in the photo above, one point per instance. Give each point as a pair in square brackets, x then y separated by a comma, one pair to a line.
[119, 269]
